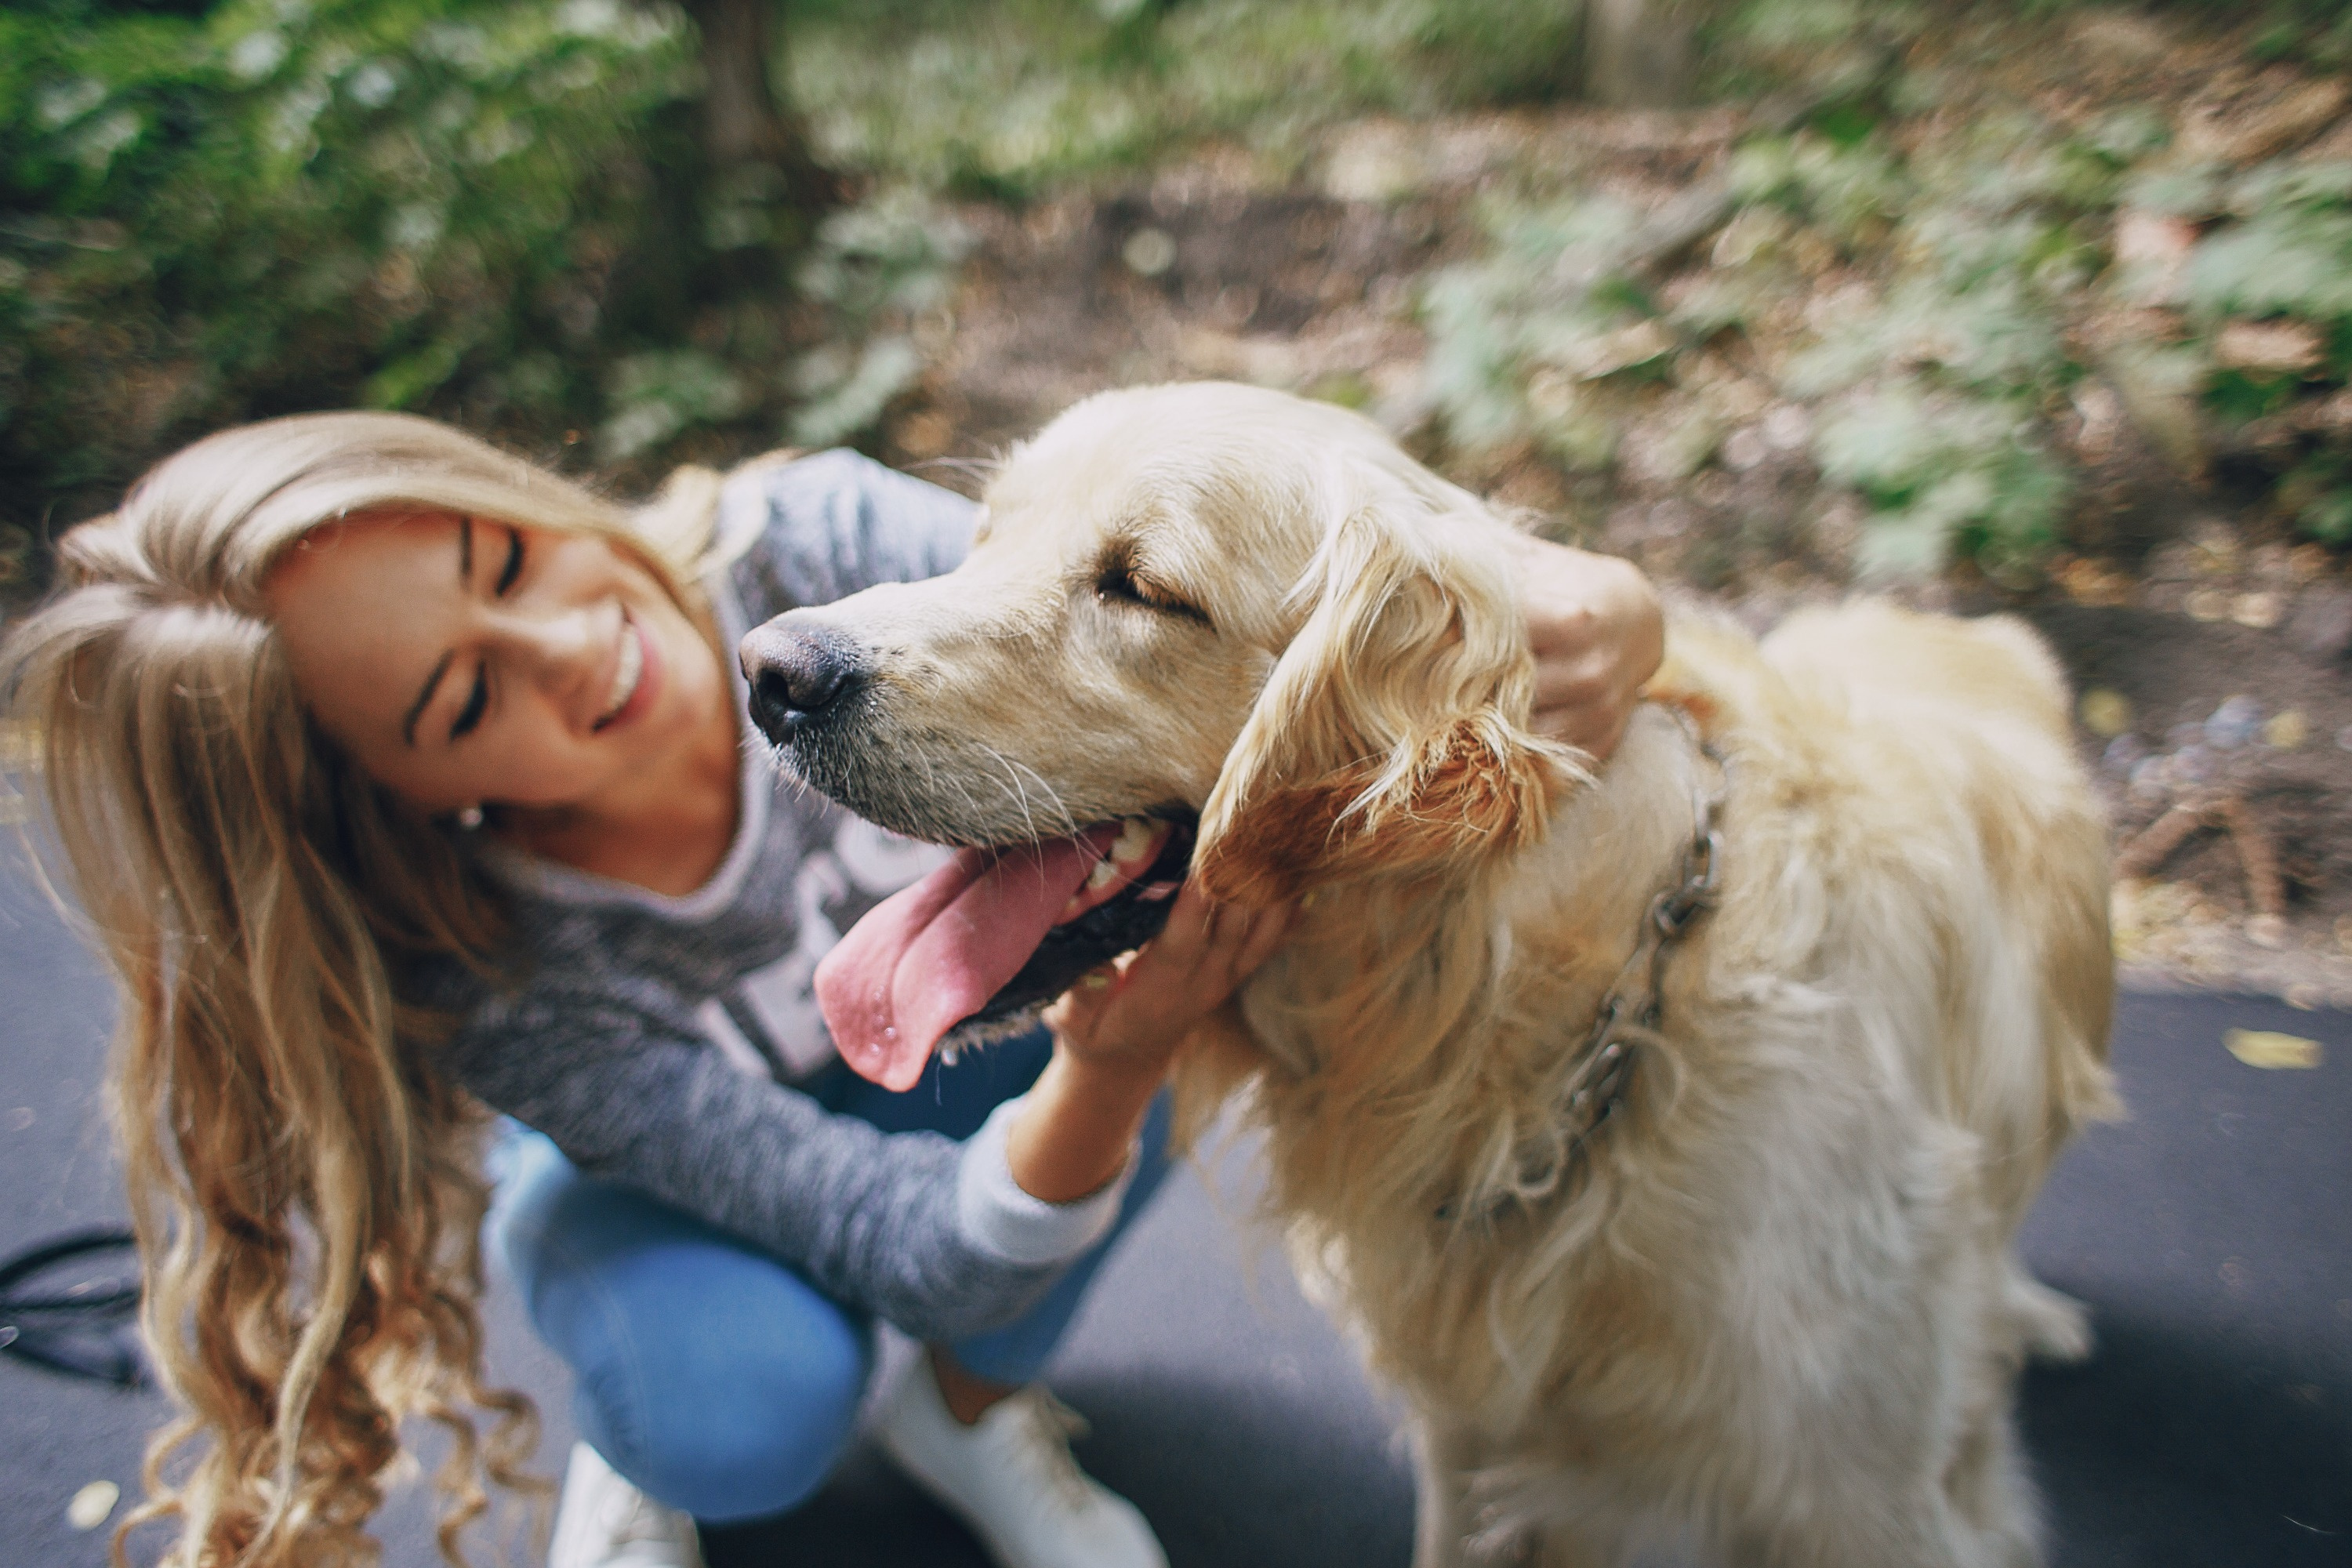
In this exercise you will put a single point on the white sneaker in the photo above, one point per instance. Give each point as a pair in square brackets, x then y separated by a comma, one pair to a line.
[1010, 1478]
[605, 1523]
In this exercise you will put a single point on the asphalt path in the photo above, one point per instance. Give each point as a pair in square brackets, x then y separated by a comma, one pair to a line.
[2211, 1234]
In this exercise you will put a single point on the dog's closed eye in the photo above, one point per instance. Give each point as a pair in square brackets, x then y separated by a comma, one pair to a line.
[1119, 580]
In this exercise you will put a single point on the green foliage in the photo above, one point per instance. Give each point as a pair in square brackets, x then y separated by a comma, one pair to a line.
[877, 271]
[416, 202]
[498, 213]
[1947, 474]
[1934, 384]
[1005, 98]
[2270, 290]
[1513, 354]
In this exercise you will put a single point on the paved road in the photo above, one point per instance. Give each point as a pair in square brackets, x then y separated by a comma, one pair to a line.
[2212, 1236]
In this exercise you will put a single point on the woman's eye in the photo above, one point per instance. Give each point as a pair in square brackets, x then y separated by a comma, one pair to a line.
[513, 568]
[477, 700]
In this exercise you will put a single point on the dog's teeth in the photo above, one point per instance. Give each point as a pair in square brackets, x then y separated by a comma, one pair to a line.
[1134, 837]
[1100, 877]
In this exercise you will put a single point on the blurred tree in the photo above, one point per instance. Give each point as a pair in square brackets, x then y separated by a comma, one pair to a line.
[1640, 53]
[745, 120]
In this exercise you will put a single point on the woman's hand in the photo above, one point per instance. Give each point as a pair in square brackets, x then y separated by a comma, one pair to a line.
[1597, 632]
[1116, 1032]
[1131, 1014]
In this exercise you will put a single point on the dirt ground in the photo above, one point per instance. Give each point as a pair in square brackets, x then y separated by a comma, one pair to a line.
[2209, 649]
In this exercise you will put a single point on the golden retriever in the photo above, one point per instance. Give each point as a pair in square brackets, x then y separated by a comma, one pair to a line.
[1759, 1297]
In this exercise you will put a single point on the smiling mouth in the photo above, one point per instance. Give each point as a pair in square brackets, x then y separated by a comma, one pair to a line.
[626, 673]
[994, 935]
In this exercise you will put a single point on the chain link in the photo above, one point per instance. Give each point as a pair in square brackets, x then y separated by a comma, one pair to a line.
[1596, 1087]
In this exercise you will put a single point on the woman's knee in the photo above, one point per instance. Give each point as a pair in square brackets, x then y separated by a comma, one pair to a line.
[706, 1373]
[736, 1412]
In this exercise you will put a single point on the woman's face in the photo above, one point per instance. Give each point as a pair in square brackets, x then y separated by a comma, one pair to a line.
[463, 660]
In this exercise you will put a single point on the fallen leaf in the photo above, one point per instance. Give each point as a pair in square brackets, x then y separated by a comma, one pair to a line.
[2287, 730]
[2265, 1048]
[2293, 346]
[2257, 610]
[2106, 714]
[92, 1505]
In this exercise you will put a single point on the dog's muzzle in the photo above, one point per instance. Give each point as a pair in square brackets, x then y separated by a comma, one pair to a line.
[798, 675]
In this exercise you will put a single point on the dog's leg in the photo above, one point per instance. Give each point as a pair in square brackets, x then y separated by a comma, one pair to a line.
[1991, 1492]
[2051, 1325]
[1441, 1508]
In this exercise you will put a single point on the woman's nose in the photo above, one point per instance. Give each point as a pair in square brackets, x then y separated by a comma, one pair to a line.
[557, 649]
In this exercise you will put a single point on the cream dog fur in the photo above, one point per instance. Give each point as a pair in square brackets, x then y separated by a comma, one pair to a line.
[1772, 1307]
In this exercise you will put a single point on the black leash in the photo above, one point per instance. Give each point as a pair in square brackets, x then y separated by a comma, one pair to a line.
[76, 1321]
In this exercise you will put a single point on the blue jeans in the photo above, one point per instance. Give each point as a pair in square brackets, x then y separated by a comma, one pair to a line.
[712, 1375]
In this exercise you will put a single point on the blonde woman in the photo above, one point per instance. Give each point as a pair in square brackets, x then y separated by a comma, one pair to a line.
[400, 780]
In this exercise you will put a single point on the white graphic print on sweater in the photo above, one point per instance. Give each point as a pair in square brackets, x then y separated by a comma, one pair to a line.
[769, 1024]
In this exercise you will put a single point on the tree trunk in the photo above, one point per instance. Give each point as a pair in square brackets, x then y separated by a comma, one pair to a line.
[743, 120]
[1641, 54]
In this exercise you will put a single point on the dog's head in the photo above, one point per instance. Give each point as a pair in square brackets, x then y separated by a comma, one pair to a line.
[1206, 619]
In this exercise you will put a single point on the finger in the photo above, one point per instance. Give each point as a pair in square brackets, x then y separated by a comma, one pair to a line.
[1267, 933]
[1192, 927]
[1080, 1009]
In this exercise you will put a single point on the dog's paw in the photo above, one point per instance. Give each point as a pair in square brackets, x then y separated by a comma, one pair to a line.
[2051, 1325]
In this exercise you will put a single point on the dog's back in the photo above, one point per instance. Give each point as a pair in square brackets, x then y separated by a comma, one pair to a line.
[1952, 740]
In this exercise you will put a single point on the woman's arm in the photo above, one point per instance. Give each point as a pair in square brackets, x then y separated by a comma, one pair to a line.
[897, 1224]
[1114, 1034]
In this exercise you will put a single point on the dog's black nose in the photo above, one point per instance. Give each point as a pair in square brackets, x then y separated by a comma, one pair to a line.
[795, 674]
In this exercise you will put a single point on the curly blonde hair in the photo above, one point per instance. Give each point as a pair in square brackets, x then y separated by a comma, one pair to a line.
[306, 1188]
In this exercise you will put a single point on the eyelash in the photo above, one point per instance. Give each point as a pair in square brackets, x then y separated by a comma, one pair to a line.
[1118, 581]
[477, 700]
[513, 568]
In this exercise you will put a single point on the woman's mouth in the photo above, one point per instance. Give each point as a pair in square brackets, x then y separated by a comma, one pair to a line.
[628, 674]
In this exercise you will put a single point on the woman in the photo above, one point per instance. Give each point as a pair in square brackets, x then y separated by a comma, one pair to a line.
[400, 778]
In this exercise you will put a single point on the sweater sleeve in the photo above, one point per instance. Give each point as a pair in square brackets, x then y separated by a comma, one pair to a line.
[912, 1227]
[824, 527]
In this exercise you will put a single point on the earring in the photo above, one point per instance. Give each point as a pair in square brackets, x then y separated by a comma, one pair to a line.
[469, 818]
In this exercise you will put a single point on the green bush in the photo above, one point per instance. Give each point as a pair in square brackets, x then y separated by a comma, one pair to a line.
[1976, 292]
[2270, 288]
[1010, 97]
[284, 204]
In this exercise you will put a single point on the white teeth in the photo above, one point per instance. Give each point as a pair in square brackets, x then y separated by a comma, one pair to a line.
[627, 674]
[1136, 836]
[1139, 839]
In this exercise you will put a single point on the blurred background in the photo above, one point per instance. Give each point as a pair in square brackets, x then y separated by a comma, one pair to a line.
[2023, 302]
[2027, 305]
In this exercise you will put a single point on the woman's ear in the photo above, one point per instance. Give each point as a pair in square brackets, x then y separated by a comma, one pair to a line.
[1392, 735]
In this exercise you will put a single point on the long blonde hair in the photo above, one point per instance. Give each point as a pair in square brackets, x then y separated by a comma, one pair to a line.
[305, 1187]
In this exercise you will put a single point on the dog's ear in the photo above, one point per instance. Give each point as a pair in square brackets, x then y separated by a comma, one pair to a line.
[1391, 734]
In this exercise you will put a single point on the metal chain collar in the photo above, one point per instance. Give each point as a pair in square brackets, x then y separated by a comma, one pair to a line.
[1596, 1086]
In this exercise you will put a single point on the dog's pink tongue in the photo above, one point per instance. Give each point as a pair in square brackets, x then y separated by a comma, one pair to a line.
[924, 960]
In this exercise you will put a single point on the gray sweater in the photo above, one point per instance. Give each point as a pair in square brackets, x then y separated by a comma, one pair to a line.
[653, 1039]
